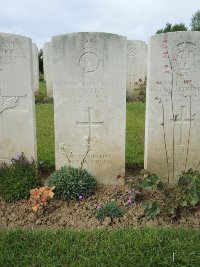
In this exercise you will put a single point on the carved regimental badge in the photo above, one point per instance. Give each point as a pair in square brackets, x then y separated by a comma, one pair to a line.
[88, 57]
[186, 58]
[132, 50]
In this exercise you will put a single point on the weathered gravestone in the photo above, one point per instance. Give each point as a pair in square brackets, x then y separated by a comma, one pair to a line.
[173, 104]
[47, 61]
[35, 67]
[17, 112]
[89, 75]
[136, 65]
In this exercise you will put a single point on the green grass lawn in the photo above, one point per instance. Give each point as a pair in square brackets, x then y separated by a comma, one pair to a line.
[134, 132]
[139, 247]
[135, 125]
[45, 133]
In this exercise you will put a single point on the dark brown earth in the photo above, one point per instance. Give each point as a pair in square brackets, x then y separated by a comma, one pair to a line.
[81, 214]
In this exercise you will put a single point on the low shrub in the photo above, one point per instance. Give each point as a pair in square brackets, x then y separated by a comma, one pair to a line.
[140, 91]
[110, 209]
[172, 200]
[40, 98]
[71, 183]
[18, 178]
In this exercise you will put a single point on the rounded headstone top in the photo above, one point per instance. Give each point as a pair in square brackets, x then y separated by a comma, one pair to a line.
[100, 34]
[12, 35]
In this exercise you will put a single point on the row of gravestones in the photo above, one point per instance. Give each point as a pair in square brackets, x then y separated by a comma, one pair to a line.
[136, 66]
[89, 89]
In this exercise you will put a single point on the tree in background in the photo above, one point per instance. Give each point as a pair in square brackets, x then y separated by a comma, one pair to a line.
[173, 28]
[195, 21]
[40, 58]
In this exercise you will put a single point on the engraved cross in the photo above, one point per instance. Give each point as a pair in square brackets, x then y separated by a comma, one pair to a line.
[181, 121]
[89, 123]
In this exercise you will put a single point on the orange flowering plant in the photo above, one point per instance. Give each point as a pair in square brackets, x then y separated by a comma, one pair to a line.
[39, 197]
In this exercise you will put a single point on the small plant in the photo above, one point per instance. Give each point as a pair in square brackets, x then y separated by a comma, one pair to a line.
[39, 197]
[189, 188]
[18, 178]
[151, 209]
[110, 209]
[140, 91]
[67, 153]
[172, 199]
[40, 98]
[71, 183]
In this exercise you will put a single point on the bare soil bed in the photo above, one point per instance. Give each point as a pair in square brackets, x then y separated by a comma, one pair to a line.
[81, 214]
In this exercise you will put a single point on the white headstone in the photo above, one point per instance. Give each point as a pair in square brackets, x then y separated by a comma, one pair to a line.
[35, 67]
[136, 64]
[47, 59]
[173, 104]
[89, 75]
[17, 110]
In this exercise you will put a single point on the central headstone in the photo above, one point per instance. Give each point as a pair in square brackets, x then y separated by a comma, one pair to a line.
[89, 76]
[173, 105]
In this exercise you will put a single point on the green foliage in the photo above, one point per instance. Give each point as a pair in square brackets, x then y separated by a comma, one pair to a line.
[71, 183]
[40, 59]
[41, 98]
[18, 179]
[172, 199]
[189, 188]
[151, 209]
[110, 209]
[195, 21]
[173, 28]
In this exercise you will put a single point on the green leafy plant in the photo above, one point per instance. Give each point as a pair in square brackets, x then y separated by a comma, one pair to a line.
[171, 199]
[189, 188]
[72, 183]
[151, 209]
[18, 178]
[110, 209]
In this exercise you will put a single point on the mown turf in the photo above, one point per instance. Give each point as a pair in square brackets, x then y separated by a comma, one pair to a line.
[45, 134]
[124, 247]
[135, 126]
[43, 89]
[134, 132]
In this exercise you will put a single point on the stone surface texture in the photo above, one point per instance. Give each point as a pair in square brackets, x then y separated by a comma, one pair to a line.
[136, 64]
[47, 61]
[35, 67]
[17, 108]
[173, 104]
[89, 75]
